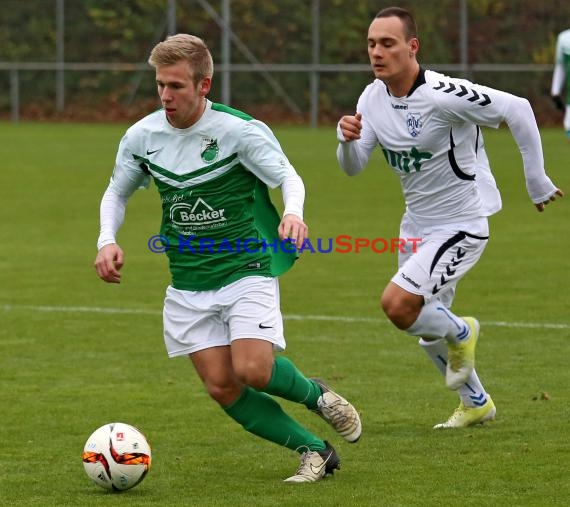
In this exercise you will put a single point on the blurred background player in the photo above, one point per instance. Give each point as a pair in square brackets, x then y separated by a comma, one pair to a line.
[561, 77]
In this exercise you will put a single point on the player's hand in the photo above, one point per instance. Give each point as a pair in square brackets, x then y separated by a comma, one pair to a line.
[293, 228]
[351, 126]
[108, 262]
[540, 206]
[558, 102]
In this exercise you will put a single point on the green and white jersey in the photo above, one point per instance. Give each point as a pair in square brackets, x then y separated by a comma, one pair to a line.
[562, 65]
[212, 177]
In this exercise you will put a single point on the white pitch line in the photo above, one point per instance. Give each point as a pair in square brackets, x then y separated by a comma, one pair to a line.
[536, 325]
[81, 309]
[323, 318]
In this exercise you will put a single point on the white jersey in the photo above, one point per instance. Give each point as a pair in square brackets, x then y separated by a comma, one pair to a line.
[432, 141]
[562, 65]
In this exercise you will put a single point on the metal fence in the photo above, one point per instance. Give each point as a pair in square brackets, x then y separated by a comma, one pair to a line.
[229, 40]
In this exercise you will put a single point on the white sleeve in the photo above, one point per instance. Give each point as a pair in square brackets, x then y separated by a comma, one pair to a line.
[261, 153]
[353, 156]
[491, 108]
[558, 78]
[112, 215]
[522, 123]
[293, 191]
[559, 74]
[127, 177]
[128, 174]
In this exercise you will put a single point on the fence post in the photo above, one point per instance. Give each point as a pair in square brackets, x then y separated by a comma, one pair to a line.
[316, 43]
[464, 39]
[226, 52]
[14, 96]
[171, 17]
[59, 56]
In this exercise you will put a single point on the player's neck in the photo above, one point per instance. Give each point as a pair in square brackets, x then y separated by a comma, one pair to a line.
[401, 85]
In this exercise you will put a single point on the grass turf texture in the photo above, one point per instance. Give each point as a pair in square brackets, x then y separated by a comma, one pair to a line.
[66, 369]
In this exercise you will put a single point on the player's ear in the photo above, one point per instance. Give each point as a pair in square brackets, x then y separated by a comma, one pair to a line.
[204, 86]
[414, 45]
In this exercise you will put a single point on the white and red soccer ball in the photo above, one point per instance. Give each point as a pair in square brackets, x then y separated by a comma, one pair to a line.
[117, 456]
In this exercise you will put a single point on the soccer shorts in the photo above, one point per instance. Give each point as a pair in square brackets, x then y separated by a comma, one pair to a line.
[444, 255]
[247, 308]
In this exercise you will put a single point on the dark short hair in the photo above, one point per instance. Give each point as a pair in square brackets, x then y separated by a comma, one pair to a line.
[405, 16]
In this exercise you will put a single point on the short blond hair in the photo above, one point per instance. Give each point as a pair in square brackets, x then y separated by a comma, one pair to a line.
[184, 47]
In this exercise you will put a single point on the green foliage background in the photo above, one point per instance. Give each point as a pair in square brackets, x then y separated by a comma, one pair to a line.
[276, 31]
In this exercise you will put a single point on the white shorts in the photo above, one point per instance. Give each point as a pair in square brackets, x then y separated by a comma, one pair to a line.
[247, 308]
[445, 254]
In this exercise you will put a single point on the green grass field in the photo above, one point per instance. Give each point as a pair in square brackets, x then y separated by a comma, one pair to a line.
[76, 353]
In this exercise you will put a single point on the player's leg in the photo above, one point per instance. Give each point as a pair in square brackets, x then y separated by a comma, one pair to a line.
[412, 298]
[256, 313]
[256, 411]
[476, 405]
[252, 363]
[433, 321]
[193, 325]
[567, 121]
[288, 382]
[252, 313]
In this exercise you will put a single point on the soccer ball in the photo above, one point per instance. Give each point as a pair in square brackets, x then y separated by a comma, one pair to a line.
[116, 456]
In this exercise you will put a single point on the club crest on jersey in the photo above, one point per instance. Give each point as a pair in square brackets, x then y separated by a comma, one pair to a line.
[209, 150]
[415, 123]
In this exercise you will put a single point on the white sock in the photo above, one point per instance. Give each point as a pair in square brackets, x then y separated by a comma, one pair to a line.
[436, 321]
[472, 393]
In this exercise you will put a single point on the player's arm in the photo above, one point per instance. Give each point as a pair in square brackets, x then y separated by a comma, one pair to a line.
[127, 177]
[349, 128]
[558, 76]
[522, 123]
[292, 224]
[263, 156]
[356, 139]
[491, 108]
[110, 257]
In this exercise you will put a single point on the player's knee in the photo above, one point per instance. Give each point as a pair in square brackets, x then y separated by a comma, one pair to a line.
[252, 373]
[394, 311]
[224, 394]
[390, 304]
[401, 312]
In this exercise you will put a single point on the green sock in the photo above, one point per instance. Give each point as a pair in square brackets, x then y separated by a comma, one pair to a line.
[289, 383]
[261, 415]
